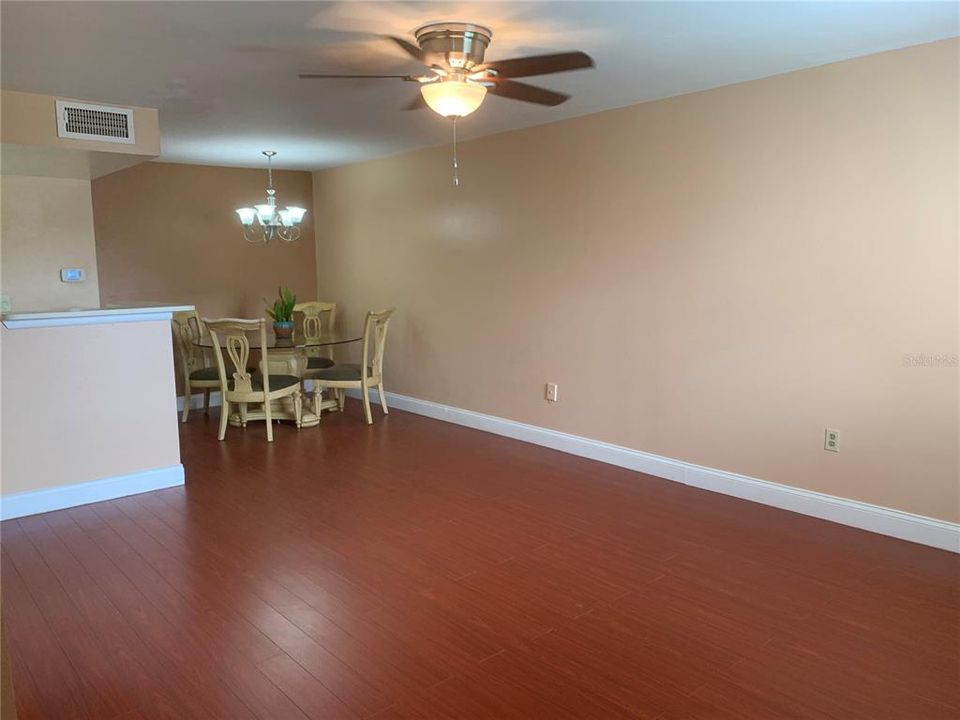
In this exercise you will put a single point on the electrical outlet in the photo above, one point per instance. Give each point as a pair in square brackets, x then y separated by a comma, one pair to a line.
[551, 392]
[831, 440]
[4, 303]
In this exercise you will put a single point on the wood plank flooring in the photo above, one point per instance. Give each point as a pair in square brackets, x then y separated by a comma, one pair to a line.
[417, 570]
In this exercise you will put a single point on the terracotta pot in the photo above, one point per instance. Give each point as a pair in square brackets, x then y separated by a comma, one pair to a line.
[283, 330]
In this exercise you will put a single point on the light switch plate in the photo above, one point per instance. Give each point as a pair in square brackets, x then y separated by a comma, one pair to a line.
[73, 275]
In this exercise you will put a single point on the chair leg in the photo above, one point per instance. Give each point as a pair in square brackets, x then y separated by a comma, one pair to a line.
[186, 404]
[341, 398]
[383, 399]
[224, 416]
[206, 401]
[267, 411]
[243, 415]
[365, 392]
[298, 408]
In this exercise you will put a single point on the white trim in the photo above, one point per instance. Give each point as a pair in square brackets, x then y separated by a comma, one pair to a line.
[196, 400]
[875, 518]
[91, 316]
[57, 498]
[85, 320]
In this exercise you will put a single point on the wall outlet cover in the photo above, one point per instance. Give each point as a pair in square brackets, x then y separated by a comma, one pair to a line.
[831, 440]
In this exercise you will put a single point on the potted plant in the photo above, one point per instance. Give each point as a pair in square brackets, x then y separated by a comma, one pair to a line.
[282, 313]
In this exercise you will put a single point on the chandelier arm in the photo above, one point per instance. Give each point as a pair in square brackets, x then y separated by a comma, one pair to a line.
[289, 234]
[254, 238]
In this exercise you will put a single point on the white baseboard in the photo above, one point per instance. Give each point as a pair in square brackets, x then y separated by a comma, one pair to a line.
[196, 401]
[875, 518]
[57, 498]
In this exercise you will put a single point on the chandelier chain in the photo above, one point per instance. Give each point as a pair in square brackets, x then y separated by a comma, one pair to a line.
[269, 154]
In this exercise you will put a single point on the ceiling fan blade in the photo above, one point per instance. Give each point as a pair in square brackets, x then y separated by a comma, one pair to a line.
[431, 60]
[418, 103]
[409, 47]
[413, 51]
[539, 64]
[324, 76]
[527, 93]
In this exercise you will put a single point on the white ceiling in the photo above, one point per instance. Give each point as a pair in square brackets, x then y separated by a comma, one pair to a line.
[224, 74]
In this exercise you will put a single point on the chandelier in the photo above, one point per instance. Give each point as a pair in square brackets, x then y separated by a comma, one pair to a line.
[272, 222]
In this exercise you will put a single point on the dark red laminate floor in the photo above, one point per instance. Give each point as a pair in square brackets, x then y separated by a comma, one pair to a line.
[419, 570]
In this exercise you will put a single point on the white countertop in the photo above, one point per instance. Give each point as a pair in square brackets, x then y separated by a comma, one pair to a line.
[91, 316]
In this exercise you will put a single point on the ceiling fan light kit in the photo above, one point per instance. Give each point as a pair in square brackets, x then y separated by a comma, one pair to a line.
[453, 98]
[461, 78]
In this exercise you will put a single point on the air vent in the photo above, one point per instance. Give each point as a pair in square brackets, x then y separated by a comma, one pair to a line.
[81, 121]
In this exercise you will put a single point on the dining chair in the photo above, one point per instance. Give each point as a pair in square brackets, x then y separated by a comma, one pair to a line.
[367, 374]
[198, 373]
[316, 316]
[241, 387]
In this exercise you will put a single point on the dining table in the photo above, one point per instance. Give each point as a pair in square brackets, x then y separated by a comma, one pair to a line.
[297, 341]
[288, 356]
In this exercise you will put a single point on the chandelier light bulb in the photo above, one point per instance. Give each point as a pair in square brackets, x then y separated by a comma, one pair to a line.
[247, 215]
[291, 216]
[265, 213]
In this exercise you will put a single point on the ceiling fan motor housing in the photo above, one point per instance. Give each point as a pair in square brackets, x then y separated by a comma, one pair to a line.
[461, 44]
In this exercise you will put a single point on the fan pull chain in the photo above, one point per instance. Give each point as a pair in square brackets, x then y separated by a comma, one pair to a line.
[456, 163]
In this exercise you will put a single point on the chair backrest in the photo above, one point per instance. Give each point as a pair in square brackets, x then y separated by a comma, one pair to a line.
[375, 339]
[231, 333]
[317, 315]
[187, 330]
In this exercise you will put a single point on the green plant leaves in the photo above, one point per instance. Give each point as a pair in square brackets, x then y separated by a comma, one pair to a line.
[282, 308]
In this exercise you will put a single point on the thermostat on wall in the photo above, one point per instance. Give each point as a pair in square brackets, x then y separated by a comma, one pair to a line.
[72, 275]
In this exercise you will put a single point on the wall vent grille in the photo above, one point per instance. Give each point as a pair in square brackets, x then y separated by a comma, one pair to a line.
[82, 121]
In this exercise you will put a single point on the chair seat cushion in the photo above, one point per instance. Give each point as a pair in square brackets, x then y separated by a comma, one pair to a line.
[341, 373]
[318, 363]
[277, 382]
[208, 373]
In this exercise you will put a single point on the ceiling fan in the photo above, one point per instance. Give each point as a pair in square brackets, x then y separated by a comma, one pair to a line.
[459, 79]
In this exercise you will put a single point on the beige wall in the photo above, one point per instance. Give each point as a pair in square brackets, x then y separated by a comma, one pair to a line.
[77, 407]
[31, 145]
[168, 233]
[46, 224]
[31, 119]
[715, 278]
